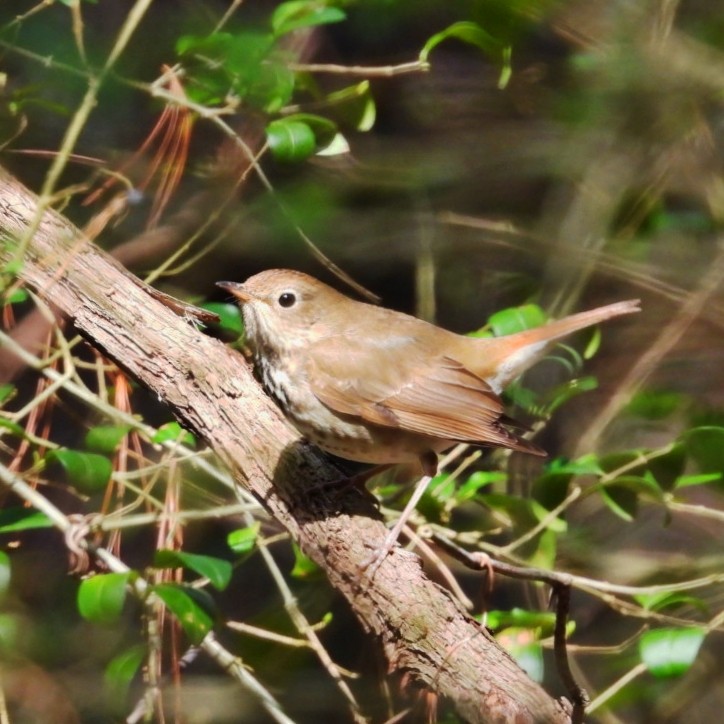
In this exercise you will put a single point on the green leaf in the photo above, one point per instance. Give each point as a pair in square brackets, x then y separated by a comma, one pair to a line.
[191, 607]
[543, 621]
[621, 502]
[669, 652]
[622, 496]
[546, 548]
[706, 446]
[229, 316]
[593, 344]
[523, 513]
[338, 146]
[244, 65]
[304, 567]
[585, 465]
[466, 31]
[101, 598]
[290, 141]
[5, 572]
[217, 570]
[471, 487]
[550, 489]
[655, 404]
[243, 540]
[355, 106]
[120, 672]
[298, 136]
[684, 481]
[560, 394]
[13, 427]
[17, 518]
[105, 438]
[517, 319]
[173, 432]
[16, 297]
[6, 392]
[668, 468]
[303, 14]
[472, 33]
[666, 599]
[88, 472]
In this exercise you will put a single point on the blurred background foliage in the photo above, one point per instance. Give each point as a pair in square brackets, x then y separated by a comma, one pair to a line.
[456, 158]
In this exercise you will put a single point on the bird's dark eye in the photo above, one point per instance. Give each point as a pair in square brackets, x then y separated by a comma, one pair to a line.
[287, 299]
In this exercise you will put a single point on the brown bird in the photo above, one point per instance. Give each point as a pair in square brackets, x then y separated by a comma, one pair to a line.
[377, 386]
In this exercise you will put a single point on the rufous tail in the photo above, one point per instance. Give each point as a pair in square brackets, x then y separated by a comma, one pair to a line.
[499, 360]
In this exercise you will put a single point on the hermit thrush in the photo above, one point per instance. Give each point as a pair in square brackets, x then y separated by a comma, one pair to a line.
[373, 385]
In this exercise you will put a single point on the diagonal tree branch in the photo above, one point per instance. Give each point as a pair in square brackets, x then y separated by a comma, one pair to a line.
[209, 388]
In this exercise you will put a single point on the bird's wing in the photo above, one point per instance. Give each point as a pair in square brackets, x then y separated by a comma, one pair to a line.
[389, 386]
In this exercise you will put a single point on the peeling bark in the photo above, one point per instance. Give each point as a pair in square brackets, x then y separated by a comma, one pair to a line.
[209, 388]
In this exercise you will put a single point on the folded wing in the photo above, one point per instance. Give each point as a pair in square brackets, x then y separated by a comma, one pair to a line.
[437, 397]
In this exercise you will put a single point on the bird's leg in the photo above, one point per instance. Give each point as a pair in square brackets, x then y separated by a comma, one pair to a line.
[429, 468]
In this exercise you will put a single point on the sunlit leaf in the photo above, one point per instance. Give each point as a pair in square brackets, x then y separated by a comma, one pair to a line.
[6, 392]
[101, 598]
[473, 34]
[16, 297]
[593, 344]
[685, 481]
[517, 319]
[338, 146]
[478, 480]
[304, 566]
[191, 607]
[243, 540]
[88, 472]
[303, 14]
[585, 465]
[105, 438]
[229, 316]
[468, 32]
[354, 106]
[544, 621]
[670, 652]
[217, 570]
[173, 432]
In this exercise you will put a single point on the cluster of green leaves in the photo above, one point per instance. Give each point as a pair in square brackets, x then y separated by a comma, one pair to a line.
[87, 470]
[102, 597]
[253, 66]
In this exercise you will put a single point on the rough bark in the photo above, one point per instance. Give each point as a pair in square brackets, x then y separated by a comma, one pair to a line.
[209, 388]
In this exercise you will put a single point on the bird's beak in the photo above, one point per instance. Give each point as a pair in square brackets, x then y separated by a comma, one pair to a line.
[236, 289]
